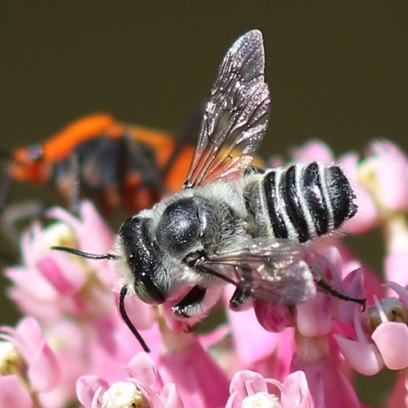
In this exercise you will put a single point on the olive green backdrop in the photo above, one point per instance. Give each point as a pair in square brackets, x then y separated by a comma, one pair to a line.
[337, 70]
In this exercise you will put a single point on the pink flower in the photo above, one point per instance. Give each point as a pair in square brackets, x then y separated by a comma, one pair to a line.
[74, 300]
[249, 389]
[144, 386]
[396, 229]
[300, 355]
[391, 334]
[385, 172]
[52, 284]
[13, 393]
[383, 340]
[81, 351]
[28, 364]
[314, 150]
[368, 213]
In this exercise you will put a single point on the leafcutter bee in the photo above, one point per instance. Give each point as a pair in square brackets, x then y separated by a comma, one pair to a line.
[233, 222]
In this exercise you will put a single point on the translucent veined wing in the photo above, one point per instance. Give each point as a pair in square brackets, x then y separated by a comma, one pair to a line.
[274, 270]
[236, 115]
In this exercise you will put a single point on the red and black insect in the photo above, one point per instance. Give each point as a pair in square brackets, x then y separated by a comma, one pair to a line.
[114, 164]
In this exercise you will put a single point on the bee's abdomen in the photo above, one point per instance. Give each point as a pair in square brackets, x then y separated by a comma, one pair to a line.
[301, 202]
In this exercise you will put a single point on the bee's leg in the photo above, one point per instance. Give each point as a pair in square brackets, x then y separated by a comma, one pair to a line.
[317, 266]
[239, 300]
[326, 287]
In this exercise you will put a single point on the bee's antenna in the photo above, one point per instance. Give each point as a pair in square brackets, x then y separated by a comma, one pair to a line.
[125, 317]
[123, 291]
[85, 254]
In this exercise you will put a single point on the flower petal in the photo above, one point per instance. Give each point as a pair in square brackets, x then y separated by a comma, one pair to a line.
[170, 397]
[252, 341]
[44, 371]
[391, 339]
[200, 382]
[86, 388]
[314, 316]
[392, 165]
[140, 314]
[245, 383]
[142, 368]
[65, 276]
[295, 391]
[312, 151]
[363, 357]
[273, 317]
[13, 394]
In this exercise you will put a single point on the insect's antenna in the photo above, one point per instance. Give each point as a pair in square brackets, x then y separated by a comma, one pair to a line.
[329, 289]
[123, 291]
[85, 254]
[125, 317]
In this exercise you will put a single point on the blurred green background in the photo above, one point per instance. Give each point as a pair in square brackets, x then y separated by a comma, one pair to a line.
[337, 70]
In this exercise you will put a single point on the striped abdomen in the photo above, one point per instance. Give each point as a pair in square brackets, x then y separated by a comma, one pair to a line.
[299, 202]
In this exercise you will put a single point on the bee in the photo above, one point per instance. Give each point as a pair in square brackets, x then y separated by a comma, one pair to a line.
[233, 222]
[114, 164]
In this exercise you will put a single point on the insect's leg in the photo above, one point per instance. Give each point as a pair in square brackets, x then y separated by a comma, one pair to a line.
[239, 300]
[17, 213]
[242, 295]
[318, 264]
[75, 191]
[136, 159]
[326, 287]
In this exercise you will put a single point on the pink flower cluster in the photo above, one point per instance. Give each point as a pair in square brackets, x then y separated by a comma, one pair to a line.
[72, 347]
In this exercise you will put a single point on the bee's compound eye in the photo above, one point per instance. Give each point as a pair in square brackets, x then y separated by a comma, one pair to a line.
[143, 257]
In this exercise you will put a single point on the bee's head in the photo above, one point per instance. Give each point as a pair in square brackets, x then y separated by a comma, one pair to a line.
[141, 256]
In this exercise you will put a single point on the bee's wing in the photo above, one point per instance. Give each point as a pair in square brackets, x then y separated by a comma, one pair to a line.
[268, 269]
[236, 114]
